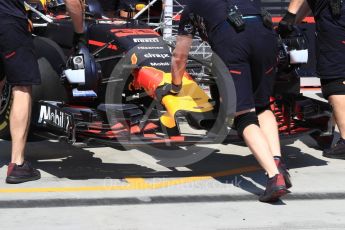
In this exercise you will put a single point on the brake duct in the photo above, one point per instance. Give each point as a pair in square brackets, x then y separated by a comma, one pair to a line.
[192, 101]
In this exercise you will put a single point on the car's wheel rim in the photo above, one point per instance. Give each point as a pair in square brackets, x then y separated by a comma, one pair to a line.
[5, 98]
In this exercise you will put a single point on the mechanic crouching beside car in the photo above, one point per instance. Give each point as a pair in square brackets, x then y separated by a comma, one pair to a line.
[19, 67]
[330, 41]
[244, 40]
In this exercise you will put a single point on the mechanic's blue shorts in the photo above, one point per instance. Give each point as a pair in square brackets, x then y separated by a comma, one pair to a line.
[251, 56]
[17, 58]
[330, 42]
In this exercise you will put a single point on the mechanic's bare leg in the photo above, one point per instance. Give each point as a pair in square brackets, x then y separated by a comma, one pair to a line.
[20, 121]
[338, 104]
[257, 143]
[269, 127]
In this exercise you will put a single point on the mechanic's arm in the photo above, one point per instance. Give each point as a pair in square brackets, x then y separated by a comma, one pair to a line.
[300, 8]
[75, 10]
[180, 57]
[303, 11]
[285, 26]
[295, 5]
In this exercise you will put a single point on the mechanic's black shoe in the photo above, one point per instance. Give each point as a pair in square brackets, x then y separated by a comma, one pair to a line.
[20, 174]
[337, 151]
[284, 171]
[275, 189]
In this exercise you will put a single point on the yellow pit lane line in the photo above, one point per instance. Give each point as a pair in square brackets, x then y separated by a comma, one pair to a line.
[136, 183]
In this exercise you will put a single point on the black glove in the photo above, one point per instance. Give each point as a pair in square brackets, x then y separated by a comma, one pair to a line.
[286, 25]
[266, 18]
[167, 89]
[79, 38]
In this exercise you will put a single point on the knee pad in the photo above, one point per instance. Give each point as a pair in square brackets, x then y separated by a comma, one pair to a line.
[244, 120]
[261, 109]
[334, 86]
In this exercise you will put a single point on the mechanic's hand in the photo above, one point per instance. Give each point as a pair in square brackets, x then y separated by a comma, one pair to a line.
[167, 89]
[79, 39]
[286, 25]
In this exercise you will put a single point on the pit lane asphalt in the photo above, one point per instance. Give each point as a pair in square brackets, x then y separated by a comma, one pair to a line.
[114, 189]
[108, 181]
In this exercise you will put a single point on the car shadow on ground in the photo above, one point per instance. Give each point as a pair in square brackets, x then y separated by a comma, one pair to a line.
[64, 161]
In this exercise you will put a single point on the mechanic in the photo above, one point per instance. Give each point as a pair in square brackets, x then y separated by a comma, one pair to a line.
[330, 41]
[19, 65]
[249, 49]
[75, 10]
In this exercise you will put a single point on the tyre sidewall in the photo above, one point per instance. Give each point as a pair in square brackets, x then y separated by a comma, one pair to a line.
[4, 116]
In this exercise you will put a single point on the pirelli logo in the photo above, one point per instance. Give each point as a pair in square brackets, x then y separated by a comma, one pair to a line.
[146, 40]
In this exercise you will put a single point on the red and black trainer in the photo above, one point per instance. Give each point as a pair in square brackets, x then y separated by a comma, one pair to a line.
[20, 174]
[284, 171]
[275, 189]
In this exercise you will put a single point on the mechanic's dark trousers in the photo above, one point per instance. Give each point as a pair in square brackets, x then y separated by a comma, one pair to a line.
[330, 41]
[251, 56]
[18, 61]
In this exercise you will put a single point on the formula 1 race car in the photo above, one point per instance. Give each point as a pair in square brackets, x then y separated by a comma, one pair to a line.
[110, 91]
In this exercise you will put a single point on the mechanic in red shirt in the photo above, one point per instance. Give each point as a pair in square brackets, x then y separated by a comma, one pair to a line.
[19, 67]
[250, 53]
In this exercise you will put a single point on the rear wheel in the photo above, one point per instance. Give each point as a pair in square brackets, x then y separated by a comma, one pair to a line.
[50, 61]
